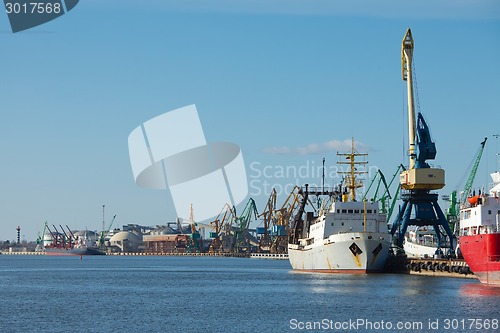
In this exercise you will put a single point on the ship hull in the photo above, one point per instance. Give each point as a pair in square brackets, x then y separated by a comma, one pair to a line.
[418, 251]
[72, 252]
[338, 254]
[482, 254]
[413, 250]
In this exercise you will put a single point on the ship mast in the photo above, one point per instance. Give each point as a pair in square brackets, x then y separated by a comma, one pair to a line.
[351, 182]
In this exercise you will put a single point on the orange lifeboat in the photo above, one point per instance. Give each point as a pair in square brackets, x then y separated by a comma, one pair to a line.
[473, 200]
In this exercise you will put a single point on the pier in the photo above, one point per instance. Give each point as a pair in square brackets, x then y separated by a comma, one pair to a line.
[279, 256]
[456, 268]
[181, 254]
[23, 253]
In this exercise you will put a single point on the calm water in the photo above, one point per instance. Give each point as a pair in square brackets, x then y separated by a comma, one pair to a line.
[198, 294]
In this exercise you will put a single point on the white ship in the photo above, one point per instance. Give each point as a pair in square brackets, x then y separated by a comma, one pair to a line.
[421, 242]
[349, 237]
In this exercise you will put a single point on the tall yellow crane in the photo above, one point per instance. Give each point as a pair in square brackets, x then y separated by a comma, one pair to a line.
[420, 206]
[419, 175]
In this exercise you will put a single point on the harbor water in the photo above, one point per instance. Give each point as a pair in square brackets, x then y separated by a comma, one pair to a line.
[216, 294]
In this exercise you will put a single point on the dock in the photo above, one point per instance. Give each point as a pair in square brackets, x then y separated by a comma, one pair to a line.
[277, 256]
[23, 253]
[181, 254]
[456, 268]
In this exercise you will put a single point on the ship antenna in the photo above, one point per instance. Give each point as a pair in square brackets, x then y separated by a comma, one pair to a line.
[103, 223]
[497, 154]
[323, 180]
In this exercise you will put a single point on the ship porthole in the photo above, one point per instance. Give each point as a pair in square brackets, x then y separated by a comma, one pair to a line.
[369, 237]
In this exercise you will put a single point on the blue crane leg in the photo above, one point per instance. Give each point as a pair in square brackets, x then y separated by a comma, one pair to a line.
[444, 223]
[436, 224]
[404, 226]
[397, 222]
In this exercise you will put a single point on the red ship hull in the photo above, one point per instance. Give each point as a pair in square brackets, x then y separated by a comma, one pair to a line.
[482, 253]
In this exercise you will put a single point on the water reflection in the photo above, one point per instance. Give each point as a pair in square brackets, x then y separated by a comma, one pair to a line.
[478, 290]
[322, 283]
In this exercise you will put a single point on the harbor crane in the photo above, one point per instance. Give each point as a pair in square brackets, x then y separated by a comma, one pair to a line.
[455, 202]
[221, 224]
[241, 237]
[284, 217]
[420, 178]
[195, 243]
[472, 175]
[381, 180]
[268, 219]
[278, 220]
[385, 199]
[53, 236]
[105, 232]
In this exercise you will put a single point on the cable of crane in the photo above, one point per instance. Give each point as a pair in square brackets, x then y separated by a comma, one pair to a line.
[405, 121]
[414, 78]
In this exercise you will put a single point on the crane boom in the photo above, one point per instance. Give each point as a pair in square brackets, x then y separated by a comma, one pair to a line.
[472, 175]
[106, 232]
[406, 62]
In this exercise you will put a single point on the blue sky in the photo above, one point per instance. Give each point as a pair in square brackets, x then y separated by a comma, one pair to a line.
[283, 79]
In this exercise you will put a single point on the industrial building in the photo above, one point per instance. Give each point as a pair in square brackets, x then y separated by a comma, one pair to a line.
[125, 241]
